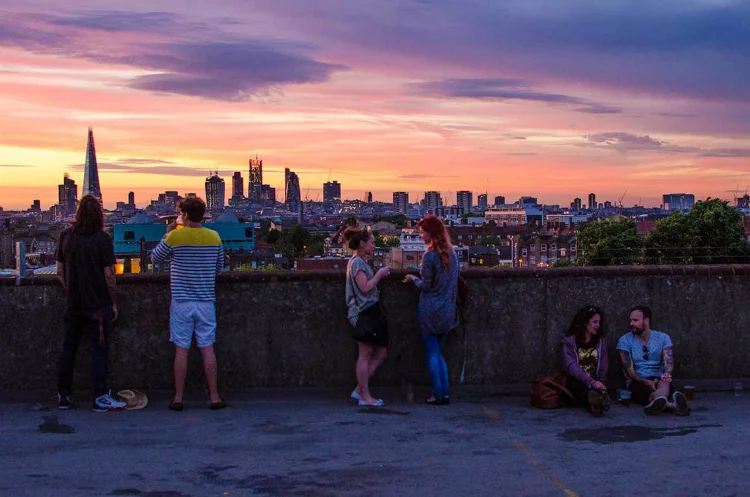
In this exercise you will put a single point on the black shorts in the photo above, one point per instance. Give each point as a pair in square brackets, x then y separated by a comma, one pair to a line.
[640, 393]
[375, 314]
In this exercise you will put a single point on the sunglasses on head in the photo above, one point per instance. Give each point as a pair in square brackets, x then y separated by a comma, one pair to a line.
[645, 353]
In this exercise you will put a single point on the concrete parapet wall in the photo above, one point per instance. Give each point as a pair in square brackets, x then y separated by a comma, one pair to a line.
[290, 329]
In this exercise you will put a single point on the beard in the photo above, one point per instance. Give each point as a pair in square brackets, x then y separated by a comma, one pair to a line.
[638, 331]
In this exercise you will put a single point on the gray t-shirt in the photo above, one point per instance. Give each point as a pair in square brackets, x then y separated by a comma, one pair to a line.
[647, 364]
[354, 296]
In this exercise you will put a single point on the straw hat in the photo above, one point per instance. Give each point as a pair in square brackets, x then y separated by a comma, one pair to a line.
[135, 399]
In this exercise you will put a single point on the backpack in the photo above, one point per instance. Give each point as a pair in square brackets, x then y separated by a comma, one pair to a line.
[549, 392]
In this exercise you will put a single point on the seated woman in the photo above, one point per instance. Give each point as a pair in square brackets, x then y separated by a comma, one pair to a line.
[584, 354]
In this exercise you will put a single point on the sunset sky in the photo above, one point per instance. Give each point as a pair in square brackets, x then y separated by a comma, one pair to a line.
[554, 99]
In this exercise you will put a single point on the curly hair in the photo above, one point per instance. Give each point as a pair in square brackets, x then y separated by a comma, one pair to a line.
[194, 207]
[441, 241]
[581, 319]
[89, 216]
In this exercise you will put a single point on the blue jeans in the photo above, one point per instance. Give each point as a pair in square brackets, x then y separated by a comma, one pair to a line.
[433, 346]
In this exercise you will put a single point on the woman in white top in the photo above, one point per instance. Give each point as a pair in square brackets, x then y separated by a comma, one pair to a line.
[363, 298]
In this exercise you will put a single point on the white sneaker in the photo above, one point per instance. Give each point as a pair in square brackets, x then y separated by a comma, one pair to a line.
[105, 403]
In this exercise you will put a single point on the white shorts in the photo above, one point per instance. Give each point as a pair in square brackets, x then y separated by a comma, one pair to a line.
[192, 316]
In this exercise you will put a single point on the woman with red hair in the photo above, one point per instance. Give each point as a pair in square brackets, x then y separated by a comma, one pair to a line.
[437, 312]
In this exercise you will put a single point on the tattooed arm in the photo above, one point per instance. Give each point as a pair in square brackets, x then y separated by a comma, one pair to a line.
[109, 275]
[629, 366]
[667, 356]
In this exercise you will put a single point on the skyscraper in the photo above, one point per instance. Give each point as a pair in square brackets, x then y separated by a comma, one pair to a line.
[401, 202]
[482, 201]
[432, 202]
[215, 192]
[238, 187]
[592, 201]
[255, 181]
[678, 201]
[67, 196]
[576, 204]
[292, 190]
[500, 200]
[332, 191]
[131, 199]
[91, 170]
[368, 197]
[464, 200]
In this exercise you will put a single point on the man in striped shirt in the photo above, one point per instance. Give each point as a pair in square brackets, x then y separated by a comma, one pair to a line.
[197, 257]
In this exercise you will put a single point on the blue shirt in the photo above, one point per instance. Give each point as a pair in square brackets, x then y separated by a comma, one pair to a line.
[653, 367]
[437, 312]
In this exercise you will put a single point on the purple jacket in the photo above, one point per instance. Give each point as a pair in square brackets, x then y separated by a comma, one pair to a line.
[570, 361]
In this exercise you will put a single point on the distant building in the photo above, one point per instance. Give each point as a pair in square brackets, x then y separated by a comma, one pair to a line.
[255, 180]
[401, 202]
[678, 201]
[332, 191]
[576, 204]
[215, 192]
[464, 200]
[592, 201]
[292, 191]
[527, 200]
[91, 184]
[515, 216]
[238, 186]
[542, 250]
[131, 200]
[482, 202]
[368, 197]
[432, 202]
[67, 197]
[499, 200]
[36, 206]
[743, 202]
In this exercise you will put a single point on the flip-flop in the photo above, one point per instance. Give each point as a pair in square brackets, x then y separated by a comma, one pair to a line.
[215, 406]
[355, 395]
[176, 406]
[378, 403]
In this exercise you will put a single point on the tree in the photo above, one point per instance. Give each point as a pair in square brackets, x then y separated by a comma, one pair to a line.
[273, 236]
[293, 241]
[488, 241]
[265, 228]
[316, 244]
[671, 242]
[719, 236]
[608, 242]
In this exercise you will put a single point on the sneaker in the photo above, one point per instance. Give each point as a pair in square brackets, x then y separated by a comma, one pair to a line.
[681, 402]
[656, 406]
[64, 402]
[595, 403]
[105, 403]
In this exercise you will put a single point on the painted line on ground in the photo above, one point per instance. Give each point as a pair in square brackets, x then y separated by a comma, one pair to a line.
[535, 461]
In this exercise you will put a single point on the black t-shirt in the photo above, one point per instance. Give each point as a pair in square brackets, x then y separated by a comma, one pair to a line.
[85, 257]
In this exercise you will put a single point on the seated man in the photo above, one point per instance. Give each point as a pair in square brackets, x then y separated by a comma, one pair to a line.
[648, 360]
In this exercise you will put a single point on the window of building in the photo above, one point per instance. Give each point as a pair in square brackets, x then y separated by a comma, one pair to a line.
[532, 247]
[544, 247]
[524, 252]
[248, 232]
[129, 235]
[563, 252]
[572, 247]
[553, 247]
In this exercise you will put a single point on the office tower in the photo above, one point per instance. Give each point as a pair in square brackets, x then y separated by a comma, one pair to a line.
[292, 190]
[576, 204]
[67, 196]
[482, 201]
[432, 202]
[215, 192]
[131, 199]
[500, 200]
[91, 170]
[238, 187]
[592, 201]
[401, 202]
[678, 201]
[36, 205]
[368, 197]
[464, 200]
[332, 191]
[255, 180]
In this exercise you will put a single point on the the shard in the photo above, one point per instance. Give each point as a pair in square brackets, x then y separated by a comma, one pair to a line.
[91, 170]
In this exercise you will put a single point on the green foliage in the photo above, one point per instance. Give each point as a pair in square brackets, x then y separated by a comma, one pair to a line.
[562, 263]
[671, 241]
[608, 242]
[267, 267]
[316, 244]
[294, 241]
[265, 227]
[719, 236]
[488, 241]
[273, 236]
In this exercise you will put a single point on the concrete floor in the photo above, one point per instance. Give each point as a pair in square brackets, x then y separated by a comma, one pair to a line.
[316, 442]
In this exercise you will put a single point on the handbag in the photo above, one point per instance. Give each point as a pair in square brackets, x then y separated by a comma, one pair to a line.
[549, 392]
[371, 322]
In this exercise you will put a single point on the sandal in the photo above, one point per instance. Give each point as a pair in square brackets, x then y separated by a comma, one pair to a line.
[215, 406]
[176, 406]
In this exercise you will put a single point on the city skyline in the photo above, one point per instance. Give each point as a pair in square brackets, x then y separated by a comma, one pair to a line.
[550, 102]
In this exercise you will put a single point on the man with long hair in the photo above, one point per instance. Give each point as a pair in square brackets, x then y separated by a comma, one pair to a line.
[197, 258]
[85, 256]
